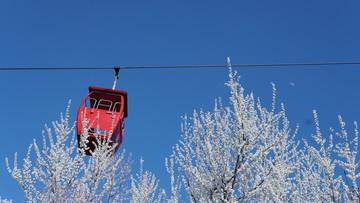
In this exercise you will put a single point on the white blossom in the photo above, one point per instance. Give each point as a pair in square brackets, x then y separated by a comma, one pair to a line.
[246, 153]
[60, 172]
[144, 187]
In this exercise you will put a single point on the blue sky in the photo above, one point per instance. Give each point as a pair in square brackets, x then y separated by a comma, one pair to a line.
[42, 33]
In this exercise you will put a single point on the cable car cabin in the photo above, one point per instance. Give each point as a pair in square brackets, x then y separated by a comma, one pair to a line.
[101, 115]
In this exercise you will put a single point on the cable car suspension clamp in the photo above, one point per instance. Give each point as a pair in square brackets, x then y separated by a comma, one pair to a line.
[116, 77]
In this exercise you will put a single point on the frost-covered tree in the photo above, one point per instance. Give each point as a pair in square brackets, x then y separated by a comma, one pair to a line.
[144, 187]
[329, 172]
[5, 200]
[247, 153]
[59, 172]
[238, 153]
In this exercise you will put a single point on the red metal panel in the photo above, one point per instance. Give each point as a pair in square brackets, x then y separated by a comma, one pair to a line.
[118, 134]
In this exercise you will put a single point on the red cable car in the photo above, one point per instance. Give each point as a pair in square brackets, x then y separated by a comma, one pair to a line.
[101, 116]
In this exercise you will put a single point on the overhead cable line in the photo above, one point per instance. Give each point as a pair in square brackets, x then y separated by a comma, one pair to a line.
[168, 67]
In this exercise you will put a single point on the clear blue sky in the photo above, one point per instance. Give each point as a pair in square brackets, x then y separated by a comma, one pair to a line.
[43, 33]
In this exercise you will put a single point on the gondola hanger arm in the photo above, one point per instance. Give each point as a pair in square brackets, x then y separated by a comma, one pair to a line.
[116, 77]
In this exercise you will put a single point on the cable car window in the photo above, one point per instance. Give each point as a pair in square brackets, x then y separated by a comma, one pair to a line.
[90, 103]
[104, 104]
[117, 106]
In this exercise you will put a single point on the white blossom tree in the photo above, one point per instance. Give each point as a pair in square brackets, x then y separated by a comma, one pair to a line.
[5, 200]
[144, 187]
[62, 173]
[329, 172]
[246, 153]
[238, 153]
